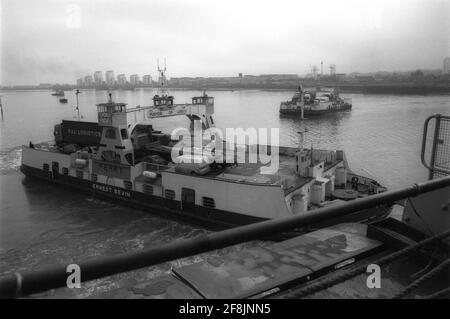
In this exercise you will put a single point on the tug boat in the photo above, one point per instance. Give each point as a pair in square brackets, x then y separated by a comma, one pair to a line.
[310, 103]
[117, 159]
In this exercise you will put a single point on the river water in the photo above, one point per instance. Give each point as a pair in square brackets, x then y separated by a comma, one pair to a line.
[42, 225]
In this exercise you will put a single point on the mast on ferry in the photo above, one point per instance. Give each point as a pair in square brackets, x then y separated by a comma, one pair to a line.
[162, 89]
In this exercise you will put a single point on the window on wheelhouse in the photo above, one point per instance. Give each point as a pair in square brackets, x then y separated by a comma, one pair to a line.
[124, 134]
[110, 133]
[129, 158]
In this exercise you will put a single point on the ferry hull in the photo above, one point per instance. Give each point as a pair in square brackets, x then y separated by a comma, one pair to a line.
[315, 112]
[210, 218]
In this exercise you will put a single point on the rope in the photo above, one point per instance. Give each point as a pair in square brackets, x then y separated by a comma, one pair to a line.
[422, 279]
[439, 294]
[346, 275]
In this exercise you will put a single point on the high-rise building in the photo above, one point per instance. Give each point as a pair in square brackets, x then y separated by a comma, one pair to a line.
[333, 69]
[134, 79]
[314, 72]
[88, 80]
[446, 66]
[121, 79]
[109, 77]
[147, 79]
[80, 82]
[98, 78]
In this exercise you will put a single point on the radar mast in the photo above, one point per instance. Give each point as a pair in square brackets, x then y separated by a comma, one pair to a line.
[162, 80]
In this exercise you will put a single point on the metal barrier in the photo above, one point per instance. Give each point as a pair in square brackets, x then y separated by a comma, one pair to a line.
[17, 285]
[439, 165]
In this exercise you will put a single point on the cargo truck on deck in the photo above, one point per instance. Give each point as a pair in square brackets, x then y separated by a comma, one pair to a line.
[77, 132]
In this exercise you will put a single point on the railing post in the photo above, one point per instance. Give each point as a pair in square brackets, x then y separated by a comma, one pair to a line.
[435, 141]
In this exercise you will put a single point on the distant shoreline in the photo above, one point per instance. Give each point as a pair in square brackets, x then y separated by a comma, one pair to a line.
[396, 89]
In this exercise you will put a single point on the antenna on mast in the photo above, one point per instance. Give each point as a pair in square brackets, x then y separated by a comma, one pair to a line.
[162, 78]
[77, 108]
[302, 136]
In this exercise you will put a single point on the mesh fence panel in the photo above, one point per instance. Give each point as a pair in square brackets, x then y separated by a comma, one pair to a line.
[442, 150]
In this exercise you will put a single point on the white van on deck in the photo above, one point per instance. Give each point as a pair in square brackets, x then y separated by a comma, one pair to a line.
[192, 164]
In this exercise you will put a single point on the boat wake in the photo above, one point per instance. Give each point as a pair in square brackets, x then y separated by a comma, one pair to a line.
[10, 160]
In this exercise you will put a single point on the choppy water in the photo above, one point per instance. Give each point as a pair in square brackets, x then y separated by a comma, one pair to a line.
[42, 225]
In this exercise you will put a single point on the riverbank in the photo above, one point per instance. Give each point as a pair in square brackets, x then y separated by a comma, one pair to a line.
[393, 88]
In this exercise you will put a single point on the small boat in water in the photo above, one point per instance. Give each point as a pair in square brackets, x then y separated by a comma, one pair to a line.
[63, 100]
[58, 93]
[313, 102]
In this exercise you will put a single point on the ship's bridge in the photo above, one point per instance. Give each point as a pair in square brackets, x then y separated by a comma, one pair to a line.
[203, 105]
[162, 100]
[205, 99]
[112, 114]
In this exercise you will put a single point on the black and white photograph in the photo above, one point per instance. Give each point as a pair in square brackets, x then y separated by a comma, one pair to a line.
[255, 152]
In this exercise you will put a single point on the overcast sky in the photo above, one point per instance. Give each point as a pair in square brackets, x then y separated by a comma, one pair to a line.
[59, 40]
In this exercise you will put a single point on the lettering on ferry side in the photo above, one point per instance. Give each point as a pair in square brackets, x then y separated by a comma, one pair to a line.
[111, 190]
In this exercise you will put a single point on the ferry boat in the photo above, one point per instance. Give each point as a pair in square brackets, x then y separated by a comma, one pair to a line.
[310, 103]
[131, 162]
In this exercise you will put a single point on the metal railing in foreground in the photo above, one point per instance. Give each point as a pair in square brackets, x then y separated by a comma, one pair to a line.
[22, 284]
[439, 164]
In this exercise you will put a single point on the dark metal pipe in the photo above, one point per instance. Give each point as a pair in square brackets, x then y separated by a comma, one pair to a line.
[30, 282]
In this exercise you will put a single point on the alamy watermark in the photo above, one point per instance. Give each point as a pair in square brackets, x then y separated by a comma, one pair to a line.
[374, 279]
[241, 146]
[74, 279]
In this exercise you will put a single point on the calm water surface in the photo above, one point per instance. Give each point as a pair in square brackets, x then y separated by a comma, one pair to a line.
[42, 225]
